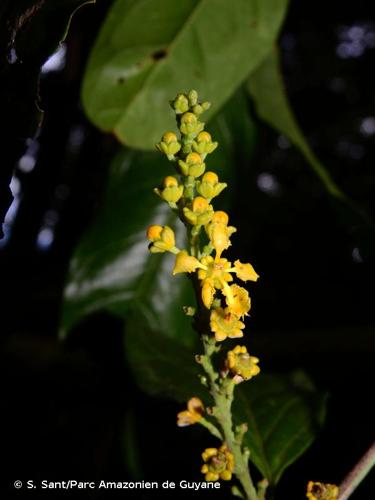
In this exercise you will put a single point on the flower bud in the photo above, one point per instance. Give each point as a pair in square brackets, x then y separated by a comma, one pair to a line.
[171, 192]
[180, 104]
[193, 165]
[190, 125]
[200, 212]
[169, 137]
[169, 145]
[193, 97]
[154, 232]
[209, 187]
[204, 137]
[162, 239]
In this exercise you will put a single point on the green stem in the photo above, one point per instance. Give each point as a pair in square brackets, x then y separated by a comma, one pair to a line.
[223, 402]
[357, 474]
[194, 241]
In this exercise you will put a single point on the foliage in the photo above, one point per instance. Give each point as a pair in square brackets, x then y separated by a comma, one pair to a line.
[147, 50]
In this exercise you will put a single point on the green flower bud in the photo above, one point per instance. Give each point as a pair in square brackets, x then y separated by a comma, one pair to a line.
[199, 213]
[197, 109]
[209, 186]
[190, 124]
[193, 97]
[180, 104]
[204, 145]
[169, 145]
[193, 165]
[162, 239]
[170, 191]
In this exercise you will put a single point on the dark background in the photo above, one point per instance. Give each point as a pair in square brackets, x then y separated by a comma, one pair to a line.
[73, 411]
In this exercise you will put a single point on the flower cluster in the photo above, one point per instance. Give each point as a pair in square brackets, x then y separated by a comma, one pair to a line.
[223, 303]
[322, 491]
[218, 463]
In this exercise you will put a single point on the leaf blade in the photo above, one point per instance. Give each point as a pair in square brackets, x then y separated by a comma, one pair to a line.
[266, 87]
[283, 418]
[129, 78]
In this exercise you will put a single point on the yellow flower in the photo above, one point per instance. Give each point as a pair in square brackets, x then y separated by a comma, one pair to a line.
[162, 239]
[204, 144]
[218, 463]
[245, 272]
[215, 270]
[321, 491]
[185, 263]
[242, 364]
[209, 186]
[200, 212]
[192, 415]
[193, 165]
[237, 299]
[225, 324]
[169, 145]
[171, 191]
[219, 232]
[190, 125]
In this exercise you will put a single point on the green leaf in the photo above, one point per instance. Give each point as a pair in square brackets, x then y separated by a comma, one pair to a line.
[266, 87]
[284, 416]
[149, 50]
[112, 268]
[30, 31]
[161, 366]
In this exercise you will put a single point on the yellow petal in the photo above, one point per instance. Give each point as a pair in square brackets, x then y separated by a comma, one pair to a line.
[196, 408]
[245, 272]
[208, 453]
[184, 418]
[185, 263]
[208, 293]
[211, 476]
[226, 475]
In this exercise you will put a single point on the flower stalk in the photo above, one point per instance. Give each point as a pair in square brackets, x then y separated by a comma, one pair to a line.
[221, 304]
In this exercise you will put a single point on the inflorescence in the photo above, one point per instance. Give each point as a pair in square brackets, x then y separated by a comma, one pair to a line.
[222, 304]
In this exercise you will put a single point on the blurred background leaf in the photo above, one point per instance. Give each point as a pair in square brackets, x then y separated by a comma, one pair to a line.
[266, 87]
[161, 366]
[147, 51]
[285, 414]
